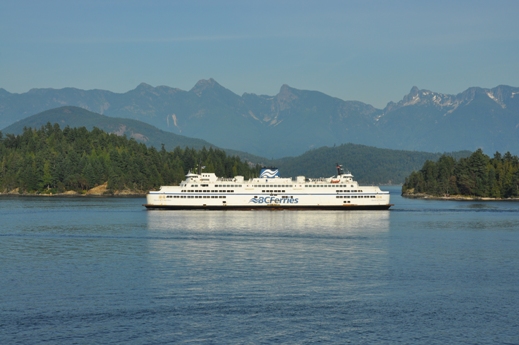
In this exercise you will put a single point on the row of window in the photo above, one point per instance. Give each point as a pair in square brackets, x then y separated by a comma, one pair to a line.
[216, 185]
[205, 191]
[354, 196]
[263, 191]
[268, 191]
[326, 185]
[223, 196]
[270, 186]
[196, 196]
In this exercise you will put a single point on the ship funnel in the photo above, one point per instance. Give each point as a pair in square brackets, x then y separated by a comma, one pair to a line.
[269, 173]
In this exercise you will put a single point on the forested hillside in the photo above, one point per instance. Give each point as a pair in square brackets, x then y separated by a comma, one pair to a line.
[50, 160]
[369, 165]
[478, 176]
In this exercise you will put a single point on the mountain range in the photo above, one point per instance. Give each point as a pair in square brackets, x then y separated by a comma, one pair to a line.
[372, 165]
[295, 121]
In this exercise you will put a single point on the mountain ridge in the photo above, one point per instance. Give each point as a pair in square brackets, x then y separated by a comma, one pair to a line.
[294, 121]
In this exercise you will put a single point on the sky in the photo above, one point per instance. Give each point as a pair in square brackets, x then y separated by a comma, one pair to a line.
[368, 51]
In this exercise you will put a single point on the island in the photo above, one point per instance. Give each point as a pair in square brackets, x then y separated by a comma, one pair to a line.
[52, 161]
[477, 177]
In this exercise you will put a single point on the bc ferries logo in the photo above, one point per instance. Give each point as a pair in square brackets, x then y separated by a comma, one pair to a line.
[273, 200]
[269, 173]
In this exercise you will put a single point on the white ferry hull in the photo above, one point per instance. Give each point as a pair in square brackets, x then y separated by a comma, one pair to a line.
[269, 207]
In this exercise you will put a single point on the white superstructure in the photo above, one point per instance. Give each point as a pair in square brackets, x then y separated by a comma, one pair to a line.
[269, 191]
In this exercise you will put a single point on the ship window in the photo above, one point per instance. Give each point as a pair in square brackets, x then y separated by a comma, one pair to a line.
[282, 191]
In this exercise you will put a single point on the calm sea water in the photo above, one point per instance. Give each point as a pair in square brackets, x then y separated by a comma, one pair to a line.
[86, 271]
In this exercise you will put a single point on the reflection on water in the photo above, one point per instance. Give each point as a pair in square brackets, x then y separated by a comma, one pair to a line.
[259, 254]
[322, 223]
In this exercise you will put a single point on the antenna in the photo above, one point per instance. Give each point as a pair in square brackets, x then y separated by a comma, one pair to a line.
[339, 169]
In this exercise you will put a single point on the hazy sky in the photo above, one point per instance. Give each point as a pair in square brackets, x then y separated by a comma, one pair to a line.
[370, 51]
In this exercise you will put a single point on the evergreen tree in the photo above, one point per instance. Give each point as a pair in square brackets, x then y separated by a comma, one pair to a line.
[478, 175]
[50, 160]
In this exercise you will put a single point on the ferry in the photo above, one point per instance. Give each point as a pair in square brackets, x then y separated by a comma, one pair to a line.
[206, 191]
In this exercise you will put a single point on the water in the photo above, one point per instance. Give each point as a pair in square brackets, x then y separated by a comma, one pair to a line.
[96, 270]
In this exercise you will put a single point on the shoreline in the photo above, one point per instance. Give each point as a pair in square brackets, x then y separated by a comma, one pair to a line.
[454, 197]
[100, 191]
[74, 195]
